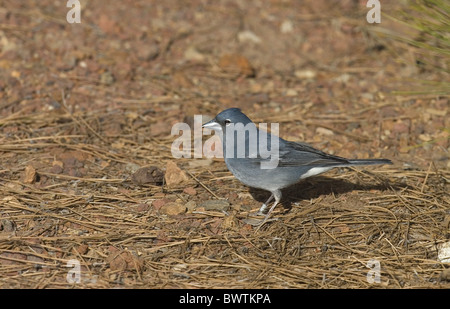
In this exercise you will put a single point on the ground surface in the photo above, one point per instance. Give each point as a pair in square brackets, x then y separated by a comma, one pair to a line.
[84, 106]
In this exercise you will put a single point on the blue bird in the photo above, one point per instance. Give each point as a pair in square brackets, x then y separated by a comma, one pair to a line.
[250, 159]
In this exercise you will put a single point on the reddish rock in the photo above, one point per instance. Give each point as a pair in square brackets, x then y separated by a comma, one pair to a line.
[174, 175]
[190, 191]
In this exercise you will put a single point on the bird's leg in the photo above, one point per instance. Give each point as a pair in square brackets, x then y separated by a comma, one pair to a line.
[277, 195]
[263, 208]
[277, 200]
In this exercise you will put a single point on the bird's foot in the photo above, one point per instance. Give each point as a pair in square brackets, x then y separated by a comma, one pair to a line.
[256, 214]
[260, 217]
[255, 218]
[258, 221]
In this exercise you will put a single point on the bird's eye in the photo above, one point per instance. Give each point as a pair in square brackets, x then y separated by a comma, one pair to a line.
[227, 121]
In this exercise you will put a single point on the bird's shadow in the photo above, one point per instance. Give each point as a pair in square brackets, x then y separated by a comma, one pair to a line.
[317, 186]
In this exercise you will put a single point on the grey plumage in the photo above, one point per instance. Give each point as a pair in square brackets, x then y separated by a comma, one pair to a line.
[296, 161]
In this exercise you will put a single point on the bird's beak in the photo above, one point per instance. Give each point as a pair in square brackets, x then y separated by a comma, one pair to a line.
[213, 125]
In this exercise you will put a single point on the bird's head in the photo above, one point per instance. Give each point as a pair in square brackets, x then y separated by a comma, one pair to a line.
[226, 118]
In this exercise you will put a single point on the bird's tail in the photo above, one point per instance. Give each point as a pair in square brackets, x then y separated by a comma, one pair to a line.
[369, 161]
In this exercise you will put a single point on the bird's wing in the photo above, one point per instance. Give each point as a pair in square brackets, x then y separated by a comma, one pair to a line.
[300, 154]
